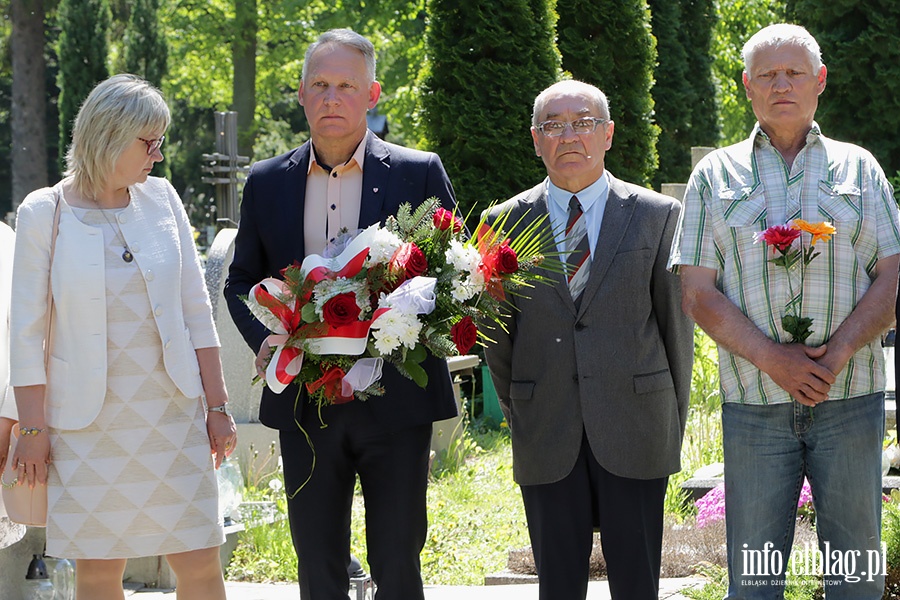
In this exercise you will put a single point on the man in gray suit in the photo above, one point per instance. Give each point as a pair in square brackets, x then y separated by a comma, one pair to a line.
[593, 372]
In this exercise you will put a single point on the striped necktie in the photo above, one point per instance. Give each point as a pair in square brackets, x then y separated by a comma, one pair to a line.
[578, 263]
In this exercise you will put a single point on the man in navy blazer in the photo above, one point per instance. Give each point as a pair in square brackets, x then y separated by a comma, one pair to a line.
[292, 205]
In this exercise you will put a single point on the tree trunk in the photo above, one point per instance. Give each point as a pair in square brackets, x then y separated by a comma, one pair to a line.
[29, 128]
[243, 57]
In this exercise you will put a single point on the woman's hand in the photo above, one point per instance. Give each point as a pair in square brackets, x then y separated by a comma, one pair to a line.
[219, 425]
[32, 457]
[222, 435]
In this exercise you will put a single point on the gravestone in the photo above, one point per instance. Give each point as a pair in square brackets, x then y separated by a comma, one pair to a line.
[676, 190]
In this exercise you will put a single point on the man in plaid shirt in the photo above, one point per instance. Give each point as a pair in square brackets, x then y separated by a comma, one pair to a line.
[813, 409]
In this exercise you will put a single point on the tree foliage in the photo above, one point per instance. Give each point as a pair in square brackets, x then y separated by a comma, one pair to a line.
[609, 44]
[83, 51]
[738, 20]
[486, 62]
[243, 59]
[146, 50]
[683, 93]
[861, 103]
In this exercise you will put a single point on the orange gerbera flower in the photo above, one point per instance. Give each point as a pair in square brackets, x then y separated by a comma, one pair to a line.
[819, 231]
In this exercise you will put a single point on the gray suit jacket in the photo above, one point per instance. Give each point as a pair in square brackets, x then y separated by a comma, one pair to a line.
[618, 367]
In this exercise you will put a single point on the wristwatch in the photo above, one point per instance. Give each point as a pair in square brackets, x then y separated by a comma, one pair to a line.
[220, 409]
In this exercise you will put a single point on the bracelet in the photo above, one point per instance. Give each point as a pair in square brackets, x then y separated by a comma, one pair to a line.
[30, 430]
[223, 408]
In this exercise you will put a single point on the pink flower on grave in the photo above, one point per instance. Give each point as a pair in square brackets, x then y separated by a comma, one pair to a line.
[805, 494]
[711, 507]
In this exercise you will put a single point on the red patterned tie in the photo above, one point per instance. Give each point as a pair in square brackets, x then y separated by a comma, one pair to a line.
[578, 263]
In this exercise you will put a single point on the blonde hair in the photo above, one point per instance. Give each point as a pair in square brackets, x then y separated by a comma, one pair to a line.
[117, 111]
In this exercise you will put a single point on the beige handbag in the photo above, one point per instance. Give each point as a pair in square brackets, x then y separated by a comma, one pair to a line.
[23, 504]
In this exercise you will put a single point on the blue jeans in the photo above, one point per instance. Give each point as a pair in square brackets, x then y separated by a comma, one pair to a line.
[768, 450]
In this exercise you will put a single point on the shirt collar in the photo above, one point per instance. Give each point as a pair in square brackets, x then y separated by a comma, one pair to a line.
[357, 159]
[587, 197]
[758, 135]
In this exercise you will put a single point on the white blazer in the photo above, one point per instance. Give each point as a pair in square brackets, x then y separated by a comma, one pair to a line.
[156, 229]
[7, 244]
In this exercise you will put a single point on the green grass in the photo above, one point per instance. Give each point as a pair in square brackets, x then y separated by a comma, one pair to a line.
[475, 514]
[475, 517]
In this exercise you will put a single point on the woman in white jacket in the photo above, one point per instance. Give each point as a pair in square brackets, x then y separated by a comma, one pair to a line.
[10, 533]
[123, 437]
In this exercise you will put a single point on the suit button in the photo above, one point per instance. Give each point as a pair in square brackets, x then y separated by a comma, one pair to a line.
[158, 312]
[575, 378]
[579, 326]
[167, 344]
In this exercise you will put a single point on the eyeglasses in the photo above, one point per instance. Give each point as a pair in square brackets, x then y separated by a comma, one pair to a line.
[153, 145]
[581, 126]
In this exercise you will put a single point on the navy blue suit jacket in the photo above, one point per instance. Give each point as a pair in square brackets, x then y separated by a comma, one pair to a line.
[270, 237]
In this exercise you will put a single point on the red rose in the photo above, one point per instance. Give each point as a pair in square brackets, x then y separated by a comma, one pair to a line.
[410, 260]
[507, 261]
[341, 310]
[464, 334]
[444, 219]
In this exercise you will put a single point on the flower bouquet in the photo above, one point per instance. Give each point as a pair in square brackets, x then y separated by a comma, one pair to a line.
[781, 239]
[394, 293]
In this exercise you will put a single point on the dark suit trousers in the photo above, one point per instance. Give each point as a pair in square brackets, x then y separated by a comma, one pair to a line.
[393, 472]
[561, 519]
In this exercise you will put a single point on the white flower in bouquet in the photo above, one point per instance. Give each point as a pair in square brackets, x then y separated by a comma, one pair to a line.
[394, 328]
[463, 257]
[382, 246]
[467, 287]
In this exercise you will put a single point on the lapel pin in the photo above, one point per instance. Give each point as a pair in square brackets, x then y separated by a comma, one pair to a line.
[374, 190]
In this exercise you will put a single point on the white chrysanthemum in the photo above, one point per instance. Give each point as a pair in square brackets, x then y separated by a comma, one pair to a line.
[476, 280]
[382, 247]
[462, 257]
[465, 288]
[394, 328]
[461, 292]
[327, 289]
[385, 343]
[409, 332]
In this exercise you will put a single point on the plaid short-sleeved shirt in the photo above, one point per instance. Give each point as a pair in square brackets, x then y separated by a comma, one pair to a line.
[738, 191]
